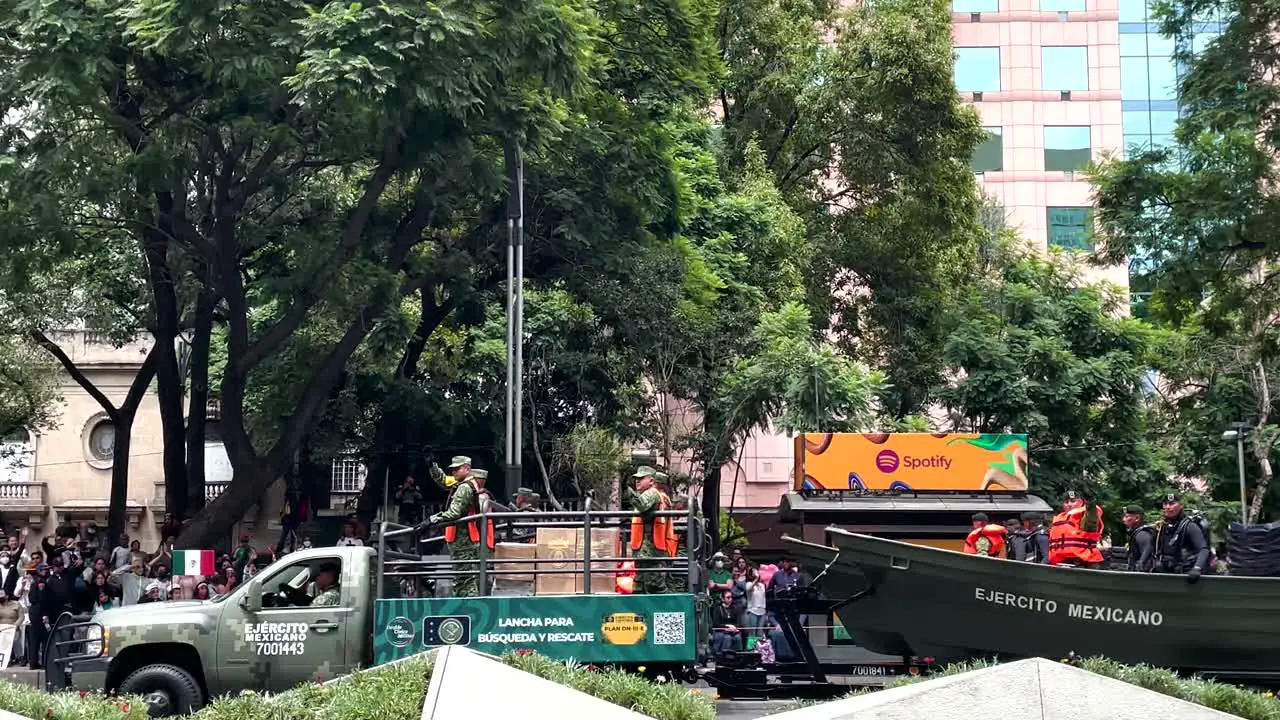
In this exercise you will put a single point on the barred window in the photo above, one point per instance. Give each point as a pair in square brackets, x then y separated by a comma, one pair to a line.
[348, 475]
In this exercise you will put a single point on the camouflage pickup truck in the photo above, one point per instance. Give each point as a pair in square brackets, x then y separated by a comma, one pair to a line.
[307, 617]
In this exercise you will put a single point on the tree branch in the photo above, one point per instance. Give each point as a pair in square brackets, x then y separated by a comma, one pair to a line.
[71, 369]
[353, 231]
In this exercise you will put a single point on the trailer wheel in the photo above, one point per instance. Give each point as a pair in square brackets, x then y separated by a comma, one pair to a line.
[168, 689]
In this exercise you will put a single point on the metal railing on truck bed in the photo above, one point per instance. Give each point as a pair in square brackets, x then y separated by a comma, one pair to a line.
[401, 558]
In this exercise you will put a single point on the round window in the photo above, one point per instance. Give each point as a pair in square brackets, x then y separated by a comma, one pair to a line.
[102, 440]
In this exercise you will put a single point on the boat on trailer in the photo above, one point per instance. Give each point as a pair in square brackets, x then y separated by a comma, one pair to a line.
[910, 600]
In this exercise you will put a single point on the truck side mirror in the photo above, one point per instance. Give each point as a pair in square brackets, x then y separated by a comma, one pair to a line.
[252, 598]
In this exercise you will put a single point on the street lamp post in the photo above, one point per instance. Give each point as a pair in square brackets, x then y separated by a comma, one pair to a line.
[1237, 435]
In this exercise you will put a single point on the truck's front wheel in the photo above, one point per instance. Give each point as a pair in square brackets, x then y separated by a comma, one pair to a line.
[168, 689]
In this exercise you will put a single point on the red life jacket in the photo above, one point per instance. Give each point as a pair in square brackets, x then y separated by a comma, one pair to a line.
[473, 526]
[664, 531]
[1068, 543]
[995, 533]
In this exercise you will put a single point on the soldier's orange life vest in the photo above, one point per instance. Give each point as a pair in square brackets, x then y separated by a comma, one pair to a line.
[1069, 543]
[664, 531]
[991, 531]
[473, 526]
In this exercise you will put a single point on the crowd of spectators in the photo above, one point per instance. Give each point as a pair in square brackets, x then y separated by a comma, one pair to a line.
[72, 571]
[742, 619]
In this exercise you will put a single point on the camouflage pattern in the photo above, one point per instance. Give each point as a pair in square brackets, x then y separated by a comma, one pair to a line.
[466, 582]
[229, 661]
[649, 556]
[327, 598]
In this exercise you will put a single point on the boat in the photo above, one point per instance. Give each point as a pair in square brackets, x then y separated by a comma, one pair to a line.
[944, 606]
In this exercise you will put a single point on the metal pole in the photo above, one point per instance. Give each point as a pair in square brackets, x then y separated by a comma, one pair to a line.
[515, 311]
[1244, 506]
[386, 494]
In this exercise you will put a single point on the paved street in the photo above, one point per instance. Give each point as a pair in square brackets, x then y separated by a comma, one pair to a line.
[750, 709]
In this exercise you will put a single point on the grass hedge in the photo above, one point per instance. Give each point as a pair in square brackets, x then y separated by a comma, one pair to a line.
[388, 693]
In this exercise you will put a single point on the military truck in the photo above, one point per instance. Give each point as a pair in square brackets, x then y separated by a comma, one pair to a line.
[395, 601]
[264, 635]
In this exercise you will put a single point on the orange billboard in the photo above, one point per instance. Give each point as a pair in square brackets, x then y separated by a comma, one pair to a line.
[910, 461]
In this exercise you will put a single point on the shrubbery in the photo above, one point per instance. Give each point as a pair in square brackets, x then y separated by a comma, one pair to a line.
[387, 693]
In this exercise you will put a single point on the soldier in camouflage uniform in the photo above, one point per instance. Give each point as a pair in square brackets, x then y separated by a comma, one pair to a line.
[649, 532]
[468, 498]
[459, 470]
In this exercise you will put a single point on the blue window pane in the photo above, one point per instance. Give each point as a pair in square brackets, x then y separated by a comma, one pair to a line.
[1133, 45]
[1160, 45]
[1062, 5]
[1200, 41]
[989, 156]
[972, 6]
[1064, 68]
[1162, 141]
[1136, 143]
[1163, 121]
[1134, 80]
[977, 68]
[1071, 227]
[1136, 122]
[1163, 73]
[1133, 10]
[1066, 147]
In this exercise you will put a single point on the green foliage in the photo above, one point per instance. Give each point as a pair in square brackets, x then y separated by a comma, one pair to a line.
[660, 700]
[70, 705]
[392, 691]
[29, 391]
[1200, 222]
[797, 382]
[594, 458]
[732, 533]
[854, 109]
[1032, 349]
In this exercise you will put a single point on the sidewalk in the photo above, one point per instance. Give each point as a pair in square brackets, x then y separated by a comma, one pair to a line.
[22, 675]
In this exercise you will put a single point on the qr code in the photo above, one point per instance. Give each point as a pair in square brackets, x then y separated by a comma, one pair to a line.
[668, 628]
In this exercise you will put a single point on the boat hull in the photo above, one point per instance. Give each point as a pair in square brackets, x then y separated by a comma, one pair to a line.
[926, 602]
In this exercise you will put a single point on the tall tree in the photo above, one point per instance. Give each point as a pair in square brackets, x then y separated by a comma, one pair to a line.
[1200, 221]
[1035, 349]
[855, 109]
[377, 129]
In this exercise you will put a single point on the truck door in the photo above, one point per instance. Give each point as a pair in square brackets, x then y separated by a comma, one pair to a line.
[288, 641]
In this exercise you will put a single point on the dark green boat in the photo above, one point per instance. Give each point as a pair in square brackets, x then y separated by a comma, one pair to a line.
[911, 600]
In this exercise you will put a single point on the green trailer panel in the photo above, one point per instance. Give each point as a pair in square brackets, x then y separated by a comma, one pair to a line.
[630, 629]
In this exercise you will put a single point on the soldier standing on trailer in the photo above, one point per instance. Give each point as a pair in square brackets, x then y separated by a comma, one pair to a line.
[652, 538]
[468, 498]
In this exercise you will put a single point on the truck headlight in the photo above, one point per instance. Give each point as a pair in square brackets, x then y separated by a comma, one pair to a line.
[95, 640]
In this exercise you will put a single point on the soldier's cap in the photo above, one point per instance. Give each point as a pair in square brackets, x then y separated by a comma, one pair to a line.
[1132, 510]
[458, 461]
[332, 567]
[480, 474]
[525, 492]
[1171, 498]
[644, 471]
[979, 517]
[1071, 494]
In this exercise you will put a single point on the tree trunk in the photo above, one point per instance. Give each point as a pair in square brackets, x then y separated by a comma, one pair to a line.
[1261, 449]
[169, 395]
[164, 296]
[123, 422]
[198, 405]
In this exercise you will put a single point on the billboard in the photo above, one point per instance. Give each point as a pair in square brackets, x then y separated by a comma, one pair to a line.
[911, 461]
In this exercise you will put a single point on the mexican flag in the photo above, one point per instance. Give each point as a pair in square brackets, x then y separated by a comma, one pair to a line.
[192, 562]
